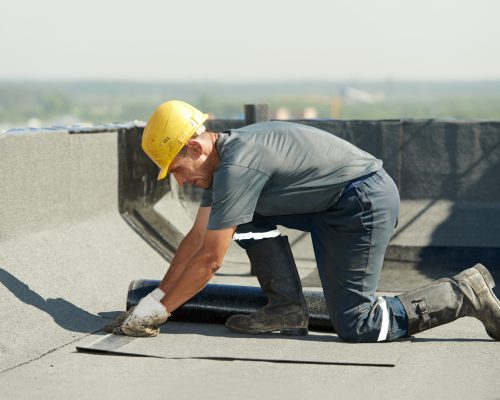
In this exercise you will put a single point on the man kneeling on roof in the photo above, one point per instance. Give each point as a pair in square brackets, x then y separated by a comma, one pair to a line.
[281, 173]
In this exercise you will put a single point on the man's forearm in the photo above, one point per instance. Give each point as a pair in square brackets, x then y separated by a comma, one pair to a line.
[184, 279]
[189, 246]
[195, 274]
[193, 278]
[185, 252]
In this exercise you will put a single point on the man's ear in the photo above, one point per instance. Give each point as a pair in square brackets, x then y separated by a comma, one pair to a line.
[195, 148]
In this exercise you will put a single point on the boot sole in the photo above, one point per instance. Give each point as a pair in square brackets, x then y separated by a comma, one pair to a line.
[294, 331]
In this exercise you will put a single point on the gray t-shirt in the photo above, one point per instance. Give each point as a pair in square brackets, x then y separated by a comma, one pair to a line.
[280, 168]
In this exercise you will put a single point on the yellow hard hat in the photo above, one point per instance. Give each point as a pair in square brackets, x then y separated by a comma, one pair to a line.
[168, 130]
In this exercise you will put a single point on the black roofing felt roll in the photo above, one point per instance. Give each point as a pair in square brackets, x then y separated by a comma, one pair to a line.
[216, 303]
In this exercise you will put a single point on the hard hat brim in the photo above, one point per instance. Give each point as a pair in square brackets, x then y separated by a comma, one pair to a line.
[163, 172]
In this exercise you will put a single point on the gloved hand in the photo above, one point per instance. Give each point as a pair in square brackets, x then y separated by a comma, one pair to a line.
[118, 321]
[144, 319]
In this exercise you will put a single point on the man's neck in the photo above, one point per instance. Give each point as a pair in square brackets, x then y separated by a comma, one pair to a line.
[213, 157]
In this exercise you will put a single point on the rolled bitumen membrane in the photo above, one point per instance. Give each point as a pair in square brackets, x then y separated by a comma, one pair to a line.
[216, 303]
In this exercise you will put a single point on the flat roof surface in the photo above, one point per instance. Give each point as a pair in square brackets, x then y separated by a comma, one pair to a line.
[455, 361]
[64, 274]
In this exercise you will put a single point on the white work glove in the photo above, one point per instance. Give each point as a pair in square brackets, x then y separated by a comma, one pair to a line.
[118, 321]
[145, 318]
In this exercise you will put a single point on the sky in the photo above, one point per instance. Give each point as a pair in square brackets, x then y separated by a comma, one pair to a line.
[247, 41]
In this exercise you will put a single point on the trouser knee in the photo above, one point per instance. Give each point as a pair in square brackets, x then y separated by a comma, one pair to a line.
[385, 320]
[350, 333]
[357, 332]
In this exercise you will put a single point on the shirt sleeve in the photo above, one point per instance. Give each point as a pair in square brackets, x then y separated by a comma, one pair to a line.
[206, 198]
[236, 191]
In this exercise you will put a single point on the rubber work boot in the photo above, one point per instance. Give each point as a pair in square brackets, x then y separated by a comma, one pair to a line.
[468, 294]
[286, 310]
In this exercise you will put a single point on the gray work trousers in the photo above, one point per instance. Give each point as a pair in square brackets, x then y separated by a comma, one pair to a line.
[349, 241]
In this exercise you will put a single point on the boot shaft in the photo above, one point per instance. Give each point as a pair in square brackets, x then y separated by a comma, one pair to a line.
[466, 294]
[286, 311]
[274, 266]
[435, 304]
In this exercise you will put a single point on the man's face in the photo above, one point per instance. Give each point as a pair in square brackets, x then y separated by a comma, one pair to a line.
[190, 169]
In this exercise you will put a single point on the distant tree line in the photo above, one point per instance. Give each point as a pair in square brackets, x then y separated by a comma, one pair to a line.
[101, 102]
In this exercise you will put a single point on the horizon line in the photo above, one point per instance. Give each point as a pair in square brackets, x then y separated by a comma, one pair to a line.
[245, 82]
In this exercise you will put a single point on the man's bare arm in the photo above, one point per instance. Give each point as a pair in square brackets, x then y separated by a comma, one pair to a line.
[199, 269]
[191, 243]
[188, 274]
